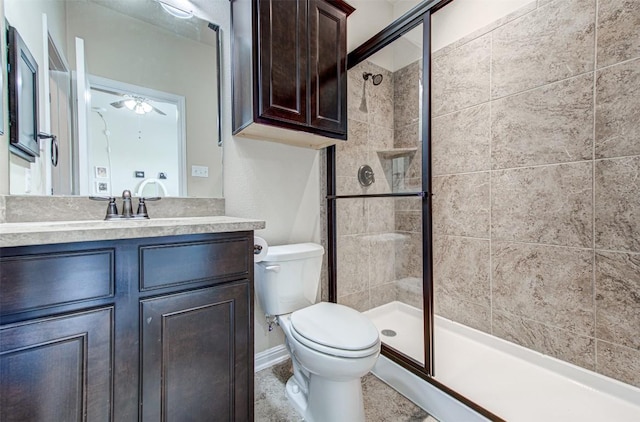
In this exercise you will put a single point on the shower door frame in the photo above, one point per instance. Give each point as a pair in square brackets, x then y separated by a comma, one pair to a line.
[421, 14]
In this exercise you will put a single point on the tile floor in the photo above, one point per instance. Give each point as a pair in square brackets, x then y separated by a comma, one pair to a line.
[381, 402]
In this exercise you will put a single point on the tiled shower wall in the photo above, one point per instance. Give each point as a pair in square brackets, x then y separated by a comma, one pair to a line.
[379, 258]
[536, 165]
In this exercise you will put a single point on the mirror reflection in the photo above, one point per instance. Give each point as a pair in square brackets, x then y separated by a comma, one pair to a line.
[138, 108]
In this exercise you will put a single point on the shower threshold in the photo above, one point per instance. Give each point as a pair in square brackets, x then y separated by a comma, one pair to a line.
[513, 382]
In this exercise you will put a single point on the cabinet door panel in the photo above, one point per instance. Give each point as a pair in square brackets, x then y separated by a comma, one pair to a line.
[57, 369]
[328, 43]
[283, 60]
[197, 355]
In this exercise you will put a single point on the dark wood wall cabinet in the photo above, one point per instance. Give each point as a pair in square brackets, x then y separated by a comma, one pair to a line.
[153, 329]
[289, 70]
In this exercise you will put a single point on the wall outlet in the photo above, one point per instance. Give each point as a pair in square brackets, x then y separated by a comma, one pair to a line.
[199, 171]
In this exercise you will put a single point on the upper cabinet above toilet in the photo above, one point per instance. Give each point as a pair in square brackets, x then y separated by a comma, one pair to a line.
[289, 71]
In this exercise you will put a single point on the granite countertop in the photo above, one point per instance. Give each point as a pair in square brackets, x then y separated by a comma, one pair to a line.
[48, 232]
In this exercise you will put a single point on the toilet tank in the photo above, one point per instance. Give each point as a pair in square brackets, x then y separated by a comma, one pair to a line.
[288, 278]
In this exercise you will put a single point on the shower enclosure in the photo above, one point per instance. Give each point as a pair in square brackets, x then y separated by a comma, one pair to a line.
[489, 187]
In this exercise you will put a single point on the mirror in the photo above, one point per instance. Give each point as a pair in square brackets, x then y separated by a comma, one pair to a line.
[138, 108]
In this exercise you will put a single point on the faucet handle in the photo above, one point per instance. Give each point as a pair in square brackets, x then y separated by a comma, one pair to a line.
[142, 207]
[112, 209]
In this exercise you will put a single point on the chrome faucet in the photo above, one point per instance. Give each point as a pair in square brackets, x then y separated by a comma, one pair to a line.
[127, 209]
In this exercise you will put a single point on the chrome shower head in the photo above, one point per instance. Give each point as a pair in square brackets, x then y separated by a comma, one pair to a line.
[376, 79]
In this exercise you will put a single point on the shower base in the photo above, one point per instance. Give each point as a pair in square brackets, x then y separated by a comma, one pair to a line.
[513, 382]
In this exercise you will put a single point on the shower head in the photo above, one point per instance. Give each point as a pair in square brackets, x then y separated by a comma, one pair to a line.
[376, 79]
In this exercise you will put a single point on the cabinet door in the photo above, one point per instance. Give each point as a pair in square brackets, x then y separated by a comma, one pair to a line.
[328, 46]
[283, 50]
[197, 355]
[57, 369]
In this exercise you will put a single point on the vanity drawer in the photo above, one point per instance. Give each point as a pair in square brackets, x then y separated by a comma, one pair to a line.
[184, 263]
[39, 281]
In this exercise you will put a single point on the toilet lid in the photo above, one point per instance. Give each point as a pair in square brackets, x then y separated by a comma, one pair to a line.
[336, 326]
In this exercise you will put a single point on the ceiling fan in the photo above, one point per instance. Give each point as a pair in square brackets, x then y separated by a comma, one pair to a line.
[137, 104]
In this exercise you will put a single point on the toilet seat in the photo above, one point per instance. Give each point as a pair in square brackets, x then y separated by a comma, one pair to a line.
[335, 330]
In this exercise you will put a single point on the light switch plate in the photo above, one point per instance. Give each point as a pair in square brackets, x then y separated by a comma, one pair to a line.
[199, 171]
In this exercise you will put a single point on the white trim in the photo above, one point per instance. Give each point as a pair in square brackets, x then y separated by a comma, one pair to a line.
[270, 357]
[434, 401]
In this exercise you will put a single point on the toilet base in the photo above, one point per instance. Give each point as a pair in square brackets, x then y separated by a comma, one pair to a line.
[328, 400]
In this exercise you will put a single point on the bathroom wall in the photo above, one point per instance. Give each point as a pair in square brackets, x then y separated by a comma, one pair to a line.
[535, 162]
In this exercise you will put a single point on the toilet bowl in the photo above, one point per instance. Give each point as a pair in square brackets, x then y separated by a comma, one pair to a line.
[331, 346]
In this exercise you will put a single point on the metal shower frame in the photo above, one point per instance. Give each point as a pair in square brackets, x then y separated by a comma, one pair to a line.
[421, 14]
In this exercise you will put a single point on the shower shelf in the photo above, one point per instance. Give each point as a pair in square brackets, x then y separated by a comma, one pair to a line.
[397, 152]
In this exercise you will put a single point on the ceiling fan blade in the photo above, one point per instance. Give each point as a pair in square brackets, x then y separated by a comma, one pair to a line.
[157, 110]
[118, 104]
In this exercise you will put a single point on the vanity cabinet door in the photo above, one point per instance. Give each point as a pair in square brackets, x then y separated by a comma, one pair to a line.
[57, 369]
[197, 355]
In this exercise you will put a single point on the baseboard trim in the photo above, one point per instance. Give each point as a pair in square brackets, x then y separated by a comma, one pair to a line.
[270, 357]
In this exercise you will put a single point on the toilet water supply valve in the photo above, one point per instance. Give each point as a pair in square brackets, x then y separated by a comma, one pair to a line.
[271, 321]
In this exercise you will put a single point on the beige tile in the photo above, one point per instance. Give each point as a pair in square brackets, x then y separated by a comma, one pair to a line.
[561, 344]
[460, 141]
[618, 35]
[352, 265]
[382, 403]
[409, 221]
[548, 284]
[380, 215]
[617, 103]
[380, 100]
[355, 90]
[617, 207]
[382, 264]
[551, 204]
[619, 362]
[406, 94]
[461, 269]
[407, 136]
[547, 45]
[380, 137]
[409, 291]
[550, 124]
[461, 205]
[408, 256]
[618, 298]
[460, 78]
[384, 293]
[358, 301]
[467, 313]
[351, 216]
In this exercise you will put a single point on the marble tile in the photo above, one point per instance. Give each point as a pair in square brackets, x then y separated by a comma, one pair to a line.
[561, 344]
[380, 137]
[3, 209]
[352, 265]
[356, 90]
[460, 141]
[409, 221]
[270, 402]
[384, 293]
[358, 301]
[382, 404]
[381, 215]
[618, 35]
[382, 264]
[548, 284]
[468, 84]
[550, 124]
[618, 362]
[550, 204]
[380, 100]
[409, 291]
[382, 170]
[547, 45]
[617, 103]
[351, 216]
[408, 256]
[461, 268]
[357, 136]
[461, 205]
[407, 136]
[467, 313]
[349, 159]
[617, 204]
[406, 94]
[618, 298]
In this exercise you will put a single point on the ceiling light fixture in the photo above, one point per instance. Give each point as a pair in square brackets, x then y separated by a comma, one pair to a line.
[175, 11]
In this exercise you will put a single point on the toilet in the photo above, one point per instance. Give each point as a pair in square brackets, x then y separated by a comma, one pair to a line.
[331, 346]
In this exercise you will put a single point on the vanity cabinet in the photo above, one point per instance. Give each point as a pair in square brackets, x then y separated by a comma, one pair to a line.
[289, 70]
[140, 329]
